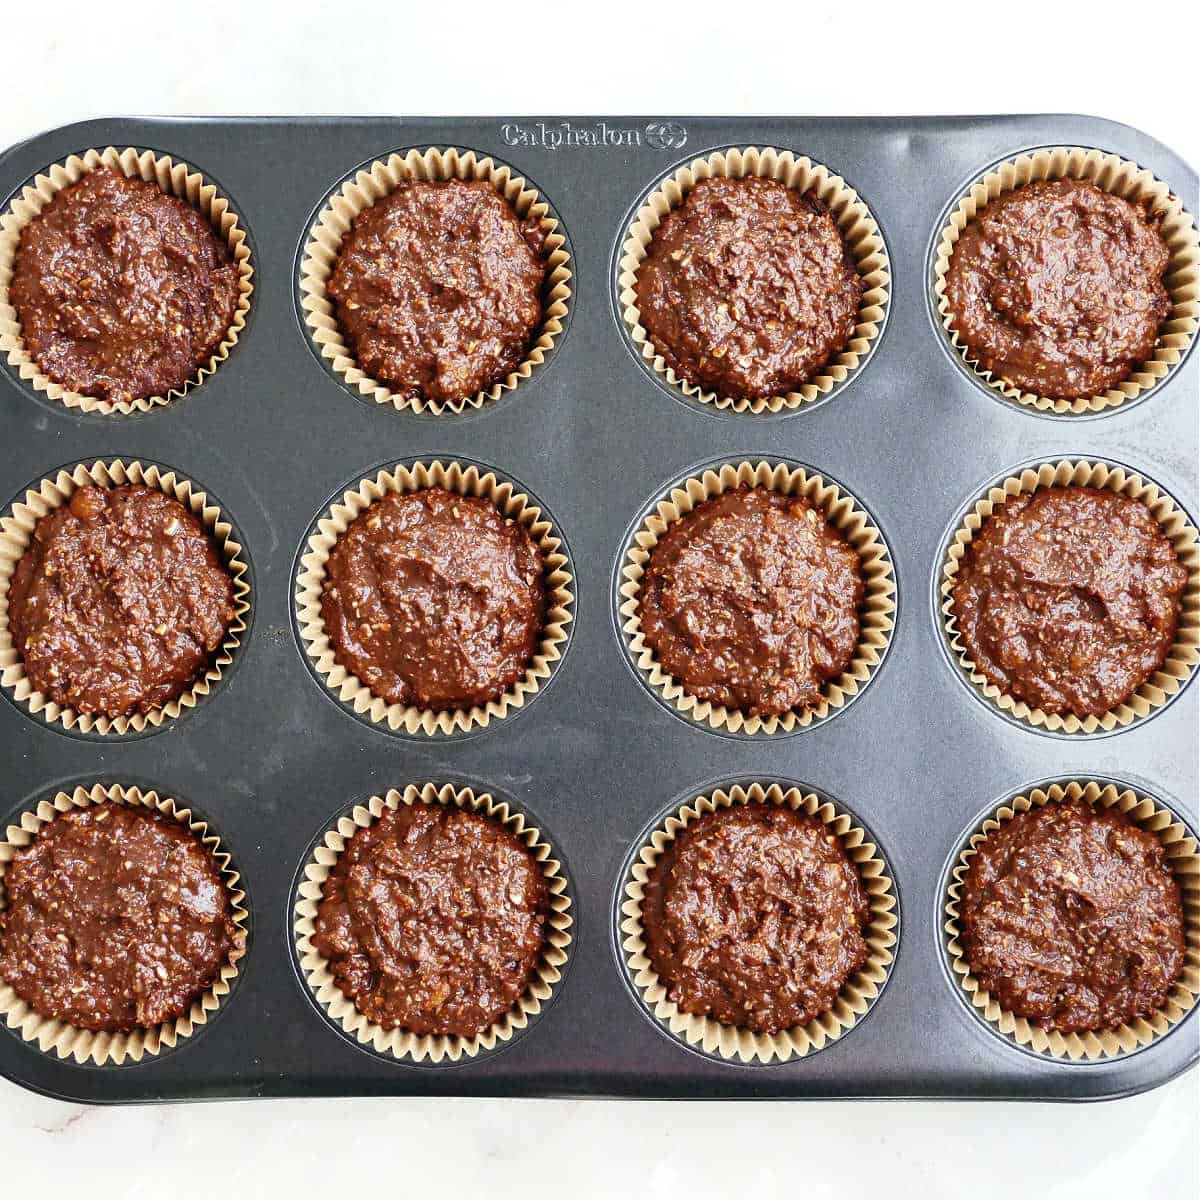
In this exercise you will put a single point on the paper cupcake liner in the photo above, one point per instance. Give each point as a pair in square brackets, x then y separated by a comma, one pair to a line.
[1120, 177]
[876, 614]
[372, 184]
[859, 230]
[1184, 859]
[16, 534]
[174, 178]
[400, 1043]
[732, 1042]
[467, 480]
[114, 1049]
[1184, 654]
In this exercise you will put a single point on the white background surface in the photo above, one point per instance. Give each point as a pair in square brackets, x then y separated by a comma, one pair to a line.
[267, 57]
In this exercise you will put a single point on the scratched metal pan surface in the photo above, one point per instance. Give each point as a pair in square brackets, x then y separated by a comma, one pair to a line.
[271, 758]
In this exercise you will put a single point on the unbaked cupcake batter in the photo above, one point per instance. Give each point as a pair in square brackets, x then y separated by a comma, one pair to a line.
[748, 288]
[438, 288]
[120, 601]
[754, 916]
[1068, 598]
[122, 291]
[433, 920]
[751, 601]
[434, 599]
[1072, 918]
[1057, 287]
[117, 918]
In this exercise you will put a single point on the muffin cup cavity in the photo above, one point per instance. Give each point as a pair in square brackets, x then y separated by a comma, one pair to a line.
[1119, 177]
[730, 1042]
[114, 1049]
[1184, 655]
[173, 178]
[1184, 859]
[400, 1043]
[858, 227]
[467, 480]
[372, 184]
[876, 614]
[16, 533]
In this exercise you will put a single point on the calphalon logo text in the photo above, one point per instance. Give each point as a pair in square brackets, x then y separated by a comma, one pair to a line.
[658, 135]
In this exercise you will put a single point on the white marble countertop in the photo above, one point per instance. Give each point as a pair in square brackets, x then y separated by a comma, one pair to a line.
[585, 1150]
[131, 56]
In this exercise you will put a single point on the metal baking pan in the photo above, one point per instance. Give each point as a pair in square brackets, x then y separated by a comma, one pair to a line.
[270, 759]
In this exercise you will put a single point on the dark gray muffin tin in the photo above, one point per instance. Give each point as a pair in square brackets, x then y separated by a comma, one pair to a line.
[271, 759]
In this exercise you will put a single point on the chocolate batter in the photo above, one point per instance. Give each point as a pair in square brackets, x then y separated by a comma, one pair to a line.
[751, 601]
[434, 599]
[1057, 288]
[1072, 918]
[117, 918]
[754, 917]
[1068, 598]
[120, 601]
[433, 920]
[438, 288]
[748, 288]
[122, 291]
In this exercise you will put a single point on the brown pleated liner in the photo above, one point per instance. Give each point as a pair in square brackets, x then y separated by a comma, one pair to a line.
[859, 229]
[467, 481]
[372, 184]
[732, 1042]
[174, 178]
[1184, 859]
[400, 1043]
[16, 534]
[1184, 654]
[1122, 178]
[876, 614]
[114, 1049]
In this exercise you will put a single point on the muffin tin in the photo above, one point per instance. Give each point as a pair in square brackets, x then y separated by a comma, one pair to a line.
[271, 758]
